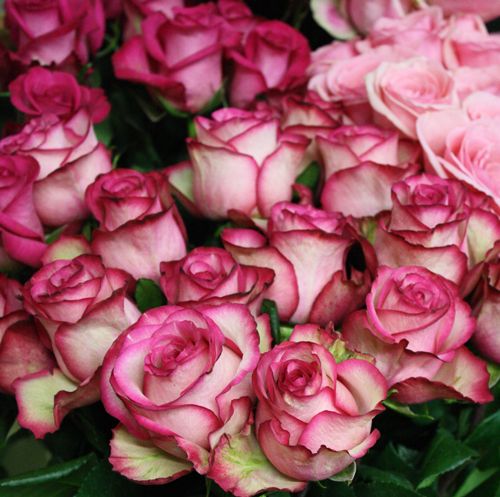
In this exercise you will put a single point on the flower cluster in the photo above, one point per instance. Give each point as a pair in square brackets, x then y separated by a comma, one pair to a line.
[355, 197]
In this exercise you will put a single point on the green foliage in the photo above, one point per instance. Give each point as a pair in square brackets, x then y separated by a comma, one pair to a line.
[148, 295]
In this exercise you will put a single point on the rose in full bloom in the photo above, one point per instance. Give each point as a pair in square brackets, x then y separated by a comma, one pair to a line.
[211, 275]
[81, 306]
[55, 32]
[469, 80]
[41, 91]
[21, 350]
[139, 225]
[21, 233]
[363, 159]
[308, 249]
[274, 56]
[70, 158]
[250, 149]
[400, 92]
[176, 364]
[179, 59]
[314, 414]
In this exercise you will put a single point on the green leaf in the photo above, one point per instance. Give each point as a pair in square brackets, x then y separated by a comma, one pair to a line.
[328, 488]
[49, 489]
[475, 478]
[494, 370]
[377, 475]
[269, 307]
[422, 418]
[346, 475]
[53, 236]
[148, 295]
[384, 490]
[310, 176]
[173, 111]
[445, 454]
[485, 439]
[104, 132]
[8, 413]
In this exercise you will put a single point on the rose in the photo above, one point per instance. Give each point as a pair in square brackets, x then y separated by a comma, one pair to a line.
[477, 79]
[113, 8]
[176, 364]
[21, 233]
[82, 307]
[187, 77]
[363, 158]
[308, 250]
[401, 92]
[314, 414]
[247, 147]
[139, 223]
[458, 147]
[413, 304]
[274, 56]
[21, 351]
[419, 376]
[40, 91]
[48, 31]
[70, 158]
[211, 275]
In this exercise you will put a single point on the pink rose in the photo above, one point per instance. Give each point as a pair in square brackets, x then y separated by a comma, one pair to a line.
[314, 415]
[458, 147]
[237, 15]
[485, 8]
[363, 159]
[212, 276]
[413, 304]
[139, 225]
[53, 32]
[240, 163]
[40, 91]
[82, 307]
[70, 158]
[21, 233]
[176, 364]
[21, 350]
[308, 251]
[274, 56]
[178, 59]
[401, 92]
[419, 376]
[477, 79]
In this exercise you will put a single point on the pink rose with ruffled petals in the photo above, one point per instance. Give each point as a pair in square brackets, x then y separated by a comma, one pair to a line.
[308, 250]
[56, 31]
[70, 158]
[82, 307]
[275, 56]
[137, 10]
[314, 415]
[211, 275]
[21, 233]
[247, 147]
[139, 225]
[176, 364]
[40, 91]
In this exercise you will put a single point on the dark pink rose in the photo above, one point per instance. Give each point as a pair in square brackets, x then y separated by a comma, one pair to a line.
[176, 364]
[139, 225]
[113, 8]
[178, 59]
[240, 162]
[55, 31]
[70, 158]
[419, 376]
[21, 233]
[237, 15]
[274, 57]
[212, 276]
[308, 250]
[41, 91]
[82, 307]
[314, 413]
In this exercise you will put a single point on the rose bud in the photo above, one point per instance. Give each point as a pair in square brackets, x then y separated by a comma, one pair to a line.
[70, 158]
[21, 233]
[187, 77]
[363, 159]
[274, 56]
[308, 249]
[21, 350]
[419, 376]
[212, 276]
[267, 163]
[139, 225]
[314, 413]
[35, 91]
[81, 307]
[177, 364]
[48, 32]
